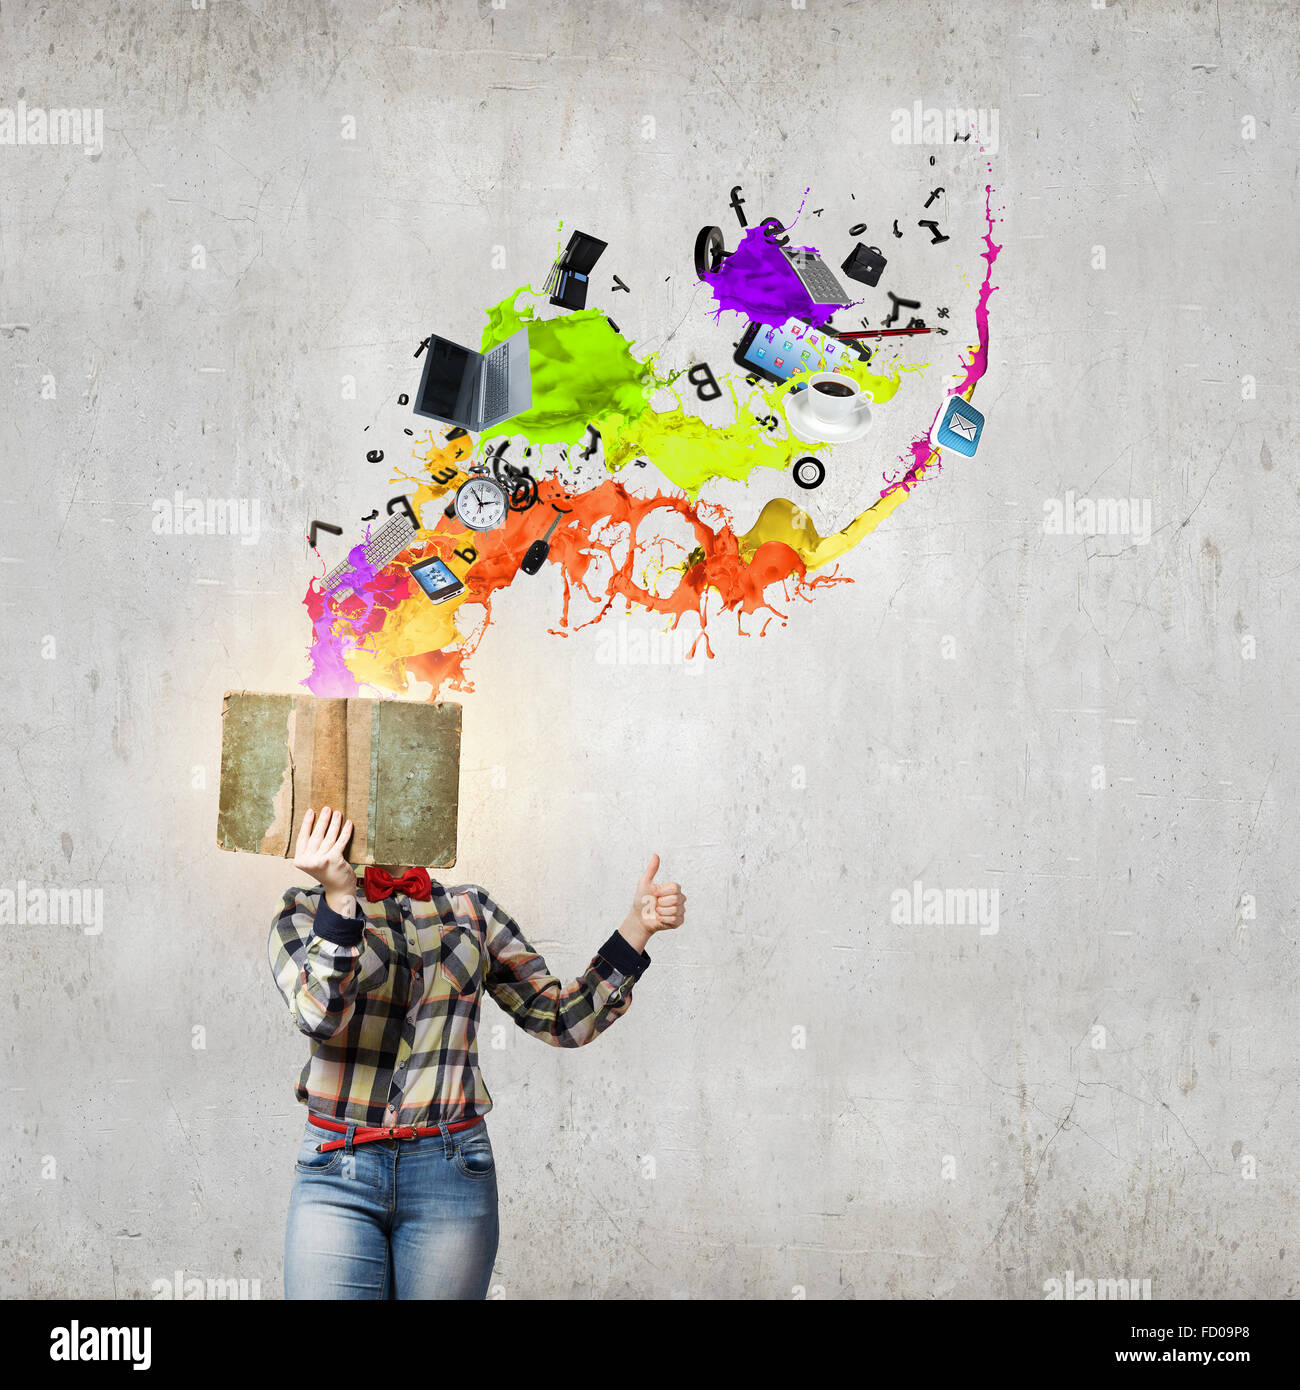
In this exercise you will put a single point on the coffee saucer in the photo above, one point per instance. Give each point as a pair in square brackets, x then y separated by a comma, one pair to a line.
[804, 425]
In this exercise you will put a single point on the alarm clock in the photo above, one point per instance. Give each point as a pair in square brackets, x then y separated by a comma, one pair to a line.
[481, 503]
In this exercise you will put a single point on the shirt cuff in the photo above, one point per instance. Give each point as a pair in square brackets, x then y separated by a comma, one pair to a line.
[622, 955]
[331, 926]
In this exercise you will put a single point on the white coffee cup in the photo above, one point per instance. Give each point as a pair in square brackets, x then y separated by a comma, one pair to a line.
[836, 405]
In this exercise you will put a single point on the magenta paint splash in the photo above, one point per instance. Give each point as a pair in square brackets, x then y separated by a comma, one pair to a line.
[921, 454]
[979, 361]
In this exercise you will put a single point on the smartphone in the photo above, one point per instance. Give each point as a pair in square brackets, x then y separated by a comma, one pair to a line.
[776, 353]
[436, 580]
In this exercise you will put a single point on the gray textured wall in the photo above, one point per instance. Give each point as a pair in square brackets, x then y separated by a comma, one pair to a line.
[953, 1126]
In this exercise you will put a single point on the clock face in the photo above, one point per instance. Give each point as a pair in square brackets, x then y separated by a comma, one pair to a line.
[481, 503]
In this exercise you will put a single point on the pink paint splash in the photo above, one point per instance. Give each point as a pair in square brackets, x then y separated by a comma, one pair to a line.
[920, 451]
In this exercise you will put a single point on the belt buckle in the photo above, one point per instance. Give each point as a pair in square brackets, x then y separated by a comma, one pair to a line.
[393, 1134]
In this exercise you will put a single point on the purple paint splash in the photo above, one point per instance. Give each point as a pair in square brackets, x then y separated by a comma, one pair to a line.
[756, 280]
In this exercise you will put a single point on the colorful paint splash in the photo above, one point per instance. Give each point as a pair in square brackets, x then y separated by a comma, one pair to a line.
[609, 543]
[584, 373]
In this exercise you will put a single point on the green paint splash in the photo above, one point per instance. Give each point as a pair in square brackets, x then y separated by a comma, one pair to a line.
[583, 373]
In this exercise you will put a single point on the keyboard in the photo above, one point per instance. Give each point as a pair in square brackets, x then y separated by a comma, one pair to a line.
[817, 278]
[496, 382]
[381, 549]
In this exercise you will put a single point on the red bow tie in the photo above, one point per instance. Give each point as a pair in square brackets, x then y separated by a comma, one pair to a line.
[379, 884]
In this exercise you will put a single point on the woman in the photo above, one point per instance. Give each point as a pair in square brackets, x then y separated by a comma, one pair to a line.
[395, 1194]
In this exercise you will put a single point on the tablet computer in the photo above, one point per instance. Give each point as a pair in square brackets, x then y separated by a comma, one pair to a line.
[778, 352]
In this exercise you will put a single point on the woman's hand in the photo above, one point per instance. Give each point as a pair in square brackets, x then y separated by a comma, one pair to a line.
[320, 853]
[656, 907]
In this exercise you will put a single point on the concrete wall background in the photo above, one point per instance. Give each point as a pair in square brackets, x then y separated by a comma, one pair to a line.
[131, 1154]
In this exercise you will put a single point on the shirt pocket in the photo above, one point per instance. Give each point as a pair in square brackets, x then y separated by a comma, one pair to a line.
[374, 963]
[460, 959]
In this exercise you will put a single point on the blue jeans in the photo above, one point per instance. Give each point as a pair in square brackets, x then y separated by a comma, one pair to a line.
[406, 1218]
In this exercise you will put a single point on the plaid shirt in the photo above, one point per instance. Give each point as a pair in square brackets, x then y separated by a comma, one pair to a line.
[390, 999]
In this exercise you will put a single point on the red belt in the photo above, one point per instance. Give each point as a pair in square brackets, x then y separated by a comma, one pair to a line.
[368, 1136]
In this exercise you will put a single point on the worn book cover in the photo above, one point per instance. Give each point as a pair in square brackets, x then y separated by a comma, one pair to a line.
[392, 767]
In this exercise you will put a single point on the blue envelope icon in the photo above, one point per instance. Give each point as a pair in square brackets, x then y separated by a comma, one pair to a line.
[961, 428]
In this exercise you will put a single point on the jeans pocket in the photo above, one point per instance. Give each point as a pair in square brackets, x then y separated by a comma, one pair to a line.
[309, 1161]
[474, 1155]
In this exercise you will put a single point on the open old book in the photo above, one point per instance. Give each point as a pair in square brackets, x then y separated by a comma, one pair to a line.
[391, 766]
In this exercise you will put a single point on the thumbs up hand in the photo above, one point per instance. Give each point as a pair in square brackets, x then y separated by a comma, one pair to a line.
[658, 906]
